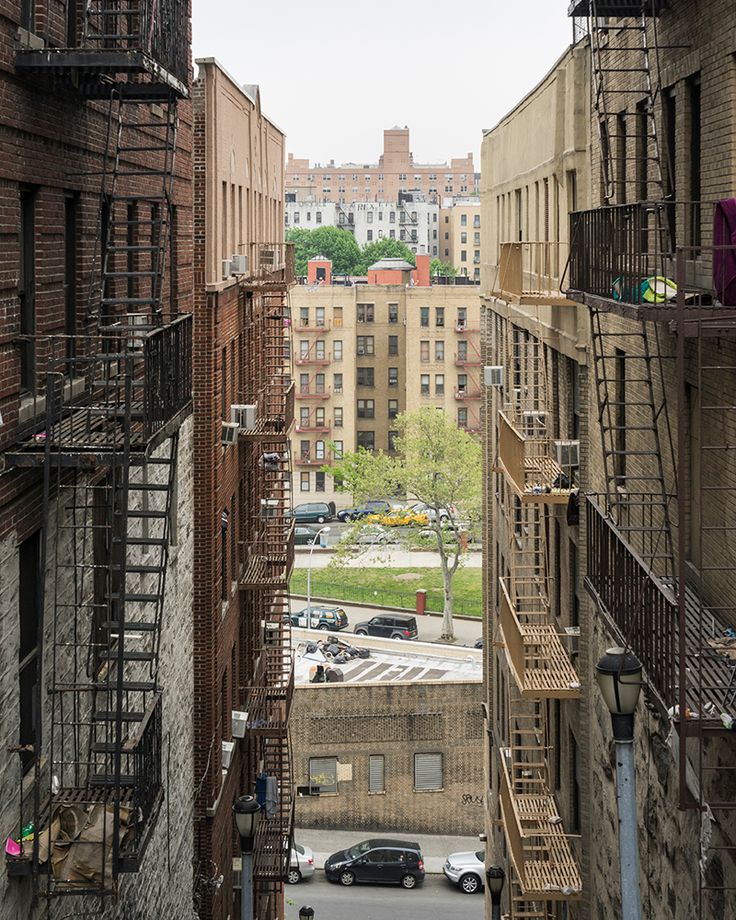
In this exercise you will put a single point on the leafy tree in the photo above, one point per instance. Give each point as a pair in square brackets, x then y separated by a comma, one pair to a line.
[385, 249]
[335, 244]
[435, 462]
[438, 267]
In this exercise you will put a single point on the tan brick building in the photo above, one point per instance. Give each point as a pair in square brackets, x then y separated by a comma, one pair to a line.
[460, 237]
[395, 172]
[653, 419]
[365, 353]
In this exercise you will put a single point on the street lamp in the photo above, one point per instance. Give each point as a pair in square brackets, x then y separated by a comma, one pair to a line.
[306, 913]
[619, 677]
[246, 812]
[495, 878]
[309, 572]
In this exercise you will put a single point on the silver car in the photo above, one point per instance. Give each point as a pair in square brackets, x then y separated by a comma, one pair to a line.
[301, 864]
[466, 870]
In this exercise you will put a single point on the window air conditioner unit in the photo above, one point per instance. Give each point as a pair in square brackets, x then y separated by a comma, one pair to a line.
[244, 416]
[269, 508]
[239, 720]
[361, 351]
[227, 754]
[227, 269]
[493, 375]
[229, 433]
[135, 342]
[567, 453]
[271, 634]
[268, 257]
[238, 265]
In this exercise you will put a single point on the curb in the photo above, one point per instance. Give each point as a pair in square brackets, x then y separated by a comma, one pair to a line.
[429, 613]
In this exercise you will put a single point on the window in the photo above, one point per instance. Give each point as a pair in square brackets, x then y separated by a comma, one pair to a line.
[369, 215]
[462, 318]
[427, 772]
[439, 351]
[304, 482]
[462, 418]
[424, 350]
[393, 408]
[439, 384]
[319, 217]
[70, 269]
[462, 350]
[319, 481]
[319, 383]
[392, 234]
[377, 773]
[366, 408]
[366, 313]
[366, 345]
[303, 349]
[424, 316]
[439, 318]
[337, 449]
[393, 376]
[309, 217]
[296, 217]
[424, 384]
[304, 450]
[320, 316]
[319, 450]
[575, 780]
[319, 350]
[392, 217]
[304, 316]
[463, 220]
[463, 255]
[476, 220]
[369, 236]
[337, 316]
[337, 350]
[319, 418]
[28, 663]
[393, 345]
[337, 383]
[338, 416]
[619, 413]
[27, 286]
[463, 238]
[367, 440]
[392, 435]
[366, 377]
[304, 417]
[323, 775]
[476, 239]
[462, 383]
[393, 313]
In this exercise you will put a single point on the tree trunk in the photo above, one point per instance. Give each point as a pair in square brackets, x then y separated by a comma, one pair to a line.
[448, 631]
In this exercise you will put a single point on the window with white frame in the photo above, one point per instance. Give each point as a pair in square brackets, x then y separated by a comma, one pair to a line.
[337, 350]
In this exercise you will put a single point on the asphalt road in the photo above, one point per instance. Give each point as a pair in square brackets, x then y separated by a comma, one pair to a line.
[436, 899]
[430, 627]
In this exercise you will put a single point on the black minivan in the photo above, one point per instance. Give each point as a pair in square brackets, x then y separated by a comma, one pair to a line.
[379, 861]
[389, 626]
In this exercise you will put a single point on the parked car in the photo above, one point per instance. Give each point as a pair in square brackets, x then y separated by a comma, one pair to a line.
[390, 626]
[301, 864]
[466, 870]
[318, 617]
[356, 514]
[312, 513]
[378, 861]
[445, 513]
[374, 533]
[304, 536]
[478, 643]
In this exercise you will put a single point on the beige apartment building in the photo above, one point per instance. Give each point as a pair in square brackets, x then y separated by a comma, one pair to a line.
[395, 172]
[365, 353]
[628, 396]
[460, 236]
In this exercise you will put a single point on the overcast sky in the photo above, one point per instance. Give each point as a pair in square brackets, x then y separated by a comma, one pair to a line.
[335, 73]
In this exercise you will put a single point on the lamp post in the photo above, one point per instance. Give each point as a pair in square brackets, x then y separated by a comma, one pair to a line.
[495, 878]
[619, 677]
[306, 913]
[309, 572]
[246, 811]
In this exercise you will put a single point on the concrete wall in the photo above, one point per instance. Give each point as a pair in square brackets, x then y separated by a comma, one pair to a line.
[352, 721]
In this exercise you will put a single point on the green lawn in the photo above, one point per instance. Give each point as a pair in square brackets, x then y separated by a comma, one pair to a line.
[392, 587]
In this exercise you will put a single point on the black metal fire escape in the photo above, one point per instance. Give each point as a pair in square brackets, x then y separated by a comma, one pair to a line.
[113, 399]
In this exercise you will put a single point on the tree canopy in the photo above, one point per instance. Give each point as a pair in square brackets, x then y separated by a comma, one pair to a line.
[435, 462]
[340, 247]
[438, 267]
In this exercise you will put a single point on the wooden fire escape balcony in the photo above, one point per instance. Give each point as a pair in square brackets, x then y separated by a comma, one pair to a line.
[529, 467]
[145, 40]
[540, 851]
[538, 660]
[529, 274]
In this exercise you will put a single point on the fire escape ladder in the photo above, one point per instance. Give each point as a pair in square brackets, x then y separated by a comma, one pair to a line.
[636, 57]
[633, 416]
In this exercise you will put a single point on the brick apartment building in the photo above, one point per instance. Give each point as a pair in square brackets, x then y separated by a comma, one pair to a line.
[243, 399]
[396, 172]
[460, 236]
[96, 465]
[363, 353]
[628, 394]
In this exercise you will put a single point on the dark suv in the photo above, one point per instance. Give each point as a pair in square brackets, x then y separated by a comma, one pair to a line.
[379, 861]
[389, 626]
[316, 617]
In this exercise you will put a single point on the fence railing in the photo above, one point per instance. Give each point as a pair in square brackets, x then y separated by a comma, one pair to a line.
[167, 387]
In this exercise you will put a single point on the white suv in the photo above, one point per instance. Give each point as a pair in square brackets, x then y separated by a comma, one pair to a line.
[466, 870]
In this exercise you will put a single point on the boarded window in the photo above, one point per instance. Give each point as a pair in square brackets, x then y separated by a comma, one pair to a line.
[322, 775]
[427, 772]
[376, 773]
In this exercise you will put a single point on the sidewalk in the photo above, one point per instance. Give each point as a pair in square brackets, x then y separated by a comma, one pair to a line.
[435, 848]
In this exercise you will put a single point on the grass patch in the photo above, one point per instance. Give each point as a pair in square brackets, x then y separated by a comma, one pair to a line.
[388, 587]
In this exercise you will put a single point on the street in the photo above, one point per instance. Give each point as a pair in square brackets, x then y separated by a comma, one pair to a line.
[430, 627]
[436, 898]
